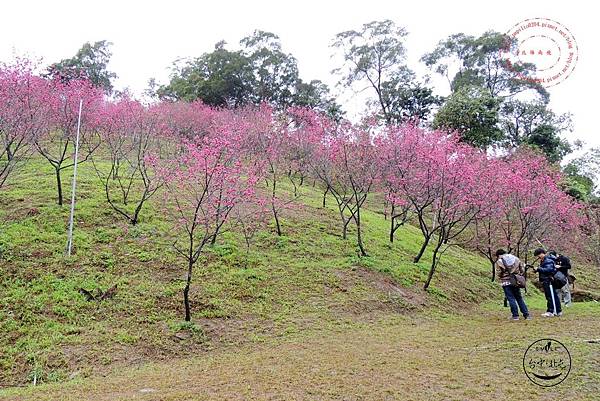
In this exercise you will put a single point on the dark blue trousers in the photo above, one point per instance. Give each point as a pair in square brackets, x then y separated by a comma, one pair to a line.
[549, 294]
[515, 299]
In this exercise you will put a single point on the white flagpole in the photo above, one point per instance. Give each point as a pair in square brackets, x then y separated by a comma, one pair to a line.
[70, 239]
[553, 301]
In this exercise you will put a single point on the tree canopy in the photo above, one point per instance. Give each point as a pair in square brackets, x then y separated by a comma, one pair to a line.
[90, 62]
[374, 58]
[260, 72]
[492, 102]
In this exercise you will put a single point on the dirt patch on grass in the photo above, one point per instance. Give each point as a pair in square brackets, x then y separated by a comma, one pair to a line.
[388, 286]
[379, 294]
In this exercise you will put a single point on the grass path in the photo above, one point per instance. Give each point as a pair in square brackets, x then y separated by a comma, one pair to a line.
[475, 356]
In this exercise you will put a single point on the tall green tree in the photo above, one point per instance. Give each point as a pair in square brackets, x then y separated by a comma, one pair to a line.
[219, 78]
[577, 184]
[275, 72]
[468, 61]
[316, 95]
[408, 99]
[473, 112]
[545, 138]
[91, 62]
[492, 101]
[259, 72]
[533, 123]
[374, 58]
[582, 176]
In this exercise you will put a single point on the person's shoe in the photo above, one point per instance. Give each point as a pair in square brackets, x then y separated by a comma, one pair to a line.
[528, 317]
[568, 305]
[548, 314]
[514, 318]
[558, 314]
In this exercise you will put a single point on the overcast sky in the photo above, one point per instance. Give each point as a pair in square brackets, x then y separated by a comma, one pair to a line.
[149, 35]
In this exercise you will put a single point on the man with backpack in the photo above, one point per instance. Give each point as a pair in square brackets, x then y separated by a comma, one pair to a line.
[510, 274]
[563, 264]
[546, 271]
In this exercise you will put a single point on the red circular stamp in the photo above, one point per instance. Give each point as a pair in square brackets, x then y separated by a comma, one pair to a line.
[546, 44]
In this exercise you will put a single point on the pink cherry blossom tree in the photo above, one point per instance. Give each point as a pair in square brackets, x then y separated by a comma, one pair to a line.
[57, 144]
[538, 211]
[188, 120]
[461, 185]
[443, 182]
[527, 208]
[268, 142]
[488, 230]
[391, 162]
[23, 114]
[346, 165]
[205, 183]
[406, 158]
[132, 134]
[309, 136]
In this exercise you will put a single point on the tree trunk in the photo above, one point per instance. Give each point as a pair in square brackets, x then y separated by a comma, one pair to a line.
[59, 186]
[359, 234]
[345, 228]
[423, 247]
[276, 220]
[385, 215]
[393, 225]
[325, 196]
[136, 213]
[273, 206]
[186, 291]
[433, 263]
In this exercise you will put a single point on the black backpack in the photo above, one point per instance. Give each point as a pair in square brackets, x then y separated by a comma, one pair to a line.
[564, 262]
[559, 280]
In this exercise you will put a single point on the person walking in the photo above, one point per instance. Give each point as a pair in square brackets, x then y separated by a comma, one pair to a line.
[546, 271]
[507, 265]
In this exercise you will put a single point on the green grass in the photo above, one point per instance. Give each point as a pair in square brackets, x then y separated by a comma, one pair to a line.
[309, 280]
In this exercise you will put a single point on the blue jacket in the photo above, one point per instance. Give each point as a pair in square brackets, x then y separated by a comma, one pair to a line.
[547, 269]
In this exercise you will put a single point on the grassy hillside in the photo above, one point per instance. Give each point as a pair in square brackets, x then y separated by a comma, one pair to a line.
[309, 280]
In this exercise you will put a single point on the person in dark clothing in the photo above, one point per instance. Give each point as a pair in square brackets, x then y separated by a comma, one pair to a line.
[507, 264]
[546, 271]
[563, 264]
